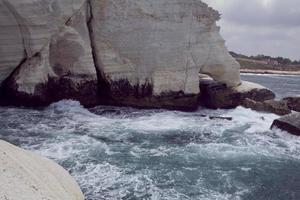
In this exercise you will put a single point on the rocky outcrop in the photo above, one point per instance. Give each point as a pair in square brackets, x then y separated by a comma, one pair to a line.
[289, 123]
[216, 95]
[280, 107]
[134, 52]
[25, 175]
[293, 103]
[269, 106]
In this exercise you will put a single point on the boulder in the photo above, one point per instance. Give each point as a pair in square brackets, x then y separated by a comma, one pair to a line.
[216, 94]
[293, 103]
[289, 123]
[270, 106]
[25, 175]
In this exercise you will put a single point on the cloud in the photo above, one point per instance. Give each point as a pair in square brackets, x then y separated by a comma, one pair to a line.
[260, 26]
[264, 12]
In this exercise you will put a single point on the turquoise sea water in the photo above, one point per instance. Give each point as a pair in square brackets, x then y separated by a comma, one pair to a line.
[283, 86]
[126, 153]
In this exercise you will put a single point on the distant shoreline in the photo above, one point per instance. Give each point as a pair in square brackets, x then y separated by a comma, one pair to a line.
[264, 71]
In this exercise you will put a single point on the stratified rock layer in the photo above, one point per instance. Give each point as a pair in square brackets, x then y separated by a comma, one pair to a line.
[124, 52]
[25, 175]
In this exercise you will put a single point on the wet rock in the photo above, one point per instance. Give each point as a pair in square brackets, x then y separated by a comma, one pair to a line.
[54, 90]
[289, 123]
[270, 106]
[293, 103]
[222, 118]
[172, 101]
[217, 95]
[218, 117]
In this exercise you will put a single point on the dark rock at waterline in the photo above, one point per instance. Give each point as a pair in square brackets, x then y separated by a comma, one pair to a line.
[282, 107]
[218, 117]
[222, 118]
[54, 90]
[271, 106]
[217, 95]
[172, 102]
[122, 93]
[289, 123]
[90, 93]
[293, 103]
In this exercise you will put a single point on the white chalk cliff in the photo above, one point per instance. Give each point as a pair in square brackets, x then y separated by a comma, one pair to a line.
[27, 176]
[45, 43]
[125, 50]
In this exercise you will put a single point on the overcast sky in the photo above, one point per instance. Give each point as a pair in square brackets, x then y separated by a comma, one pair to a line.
[251, 27]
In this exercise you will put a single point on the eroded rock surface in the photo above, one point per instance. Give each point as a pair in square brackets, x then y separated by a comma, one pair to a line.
[216, 95]
[128, 52]
[25, 175]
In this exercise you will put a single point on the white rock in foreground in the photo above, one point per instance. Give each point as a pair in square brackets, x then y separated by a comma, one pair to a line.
[26, 176]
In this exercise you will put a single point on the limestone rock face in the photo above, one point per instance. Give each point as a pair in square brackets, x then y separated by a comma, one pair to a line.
[44, 45]
[162, 44]
[129, 52]
[25, 175]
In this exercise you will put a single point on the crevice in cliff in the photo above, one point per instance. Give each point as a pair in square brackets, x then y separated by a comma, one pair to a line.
[103, 84]
[7, 84]
[188, 54]
[75, 13]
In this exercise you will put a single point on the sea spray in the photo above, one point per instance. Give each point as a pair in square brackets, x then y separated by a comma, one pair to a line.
[127, 153]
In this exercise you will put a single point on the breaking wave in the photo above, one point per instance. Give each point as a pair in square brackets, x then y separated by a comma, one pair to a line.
[126, 153]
